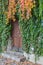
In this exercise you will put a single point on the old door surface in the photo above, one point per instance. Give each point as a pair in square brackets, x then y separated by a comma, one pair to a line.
[16, 35]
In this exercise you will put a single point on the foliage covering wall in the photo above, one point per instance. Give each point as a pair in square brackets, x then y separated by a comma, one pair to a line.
[4, 29]
[32, 30]
[31, 25]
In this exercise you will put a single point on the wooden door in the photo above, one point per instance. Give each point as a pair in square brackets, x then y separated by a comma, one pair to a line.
[16, 35]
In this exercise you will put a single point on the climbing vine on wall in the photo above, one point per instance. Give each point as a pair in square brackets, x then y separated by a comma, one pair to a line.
[4, 29]
[29, 14]
[32, 30]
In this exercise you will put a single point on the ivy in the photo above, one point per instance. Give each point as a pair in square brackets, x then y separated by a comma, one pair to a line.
[4, 29]
[32, 30]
